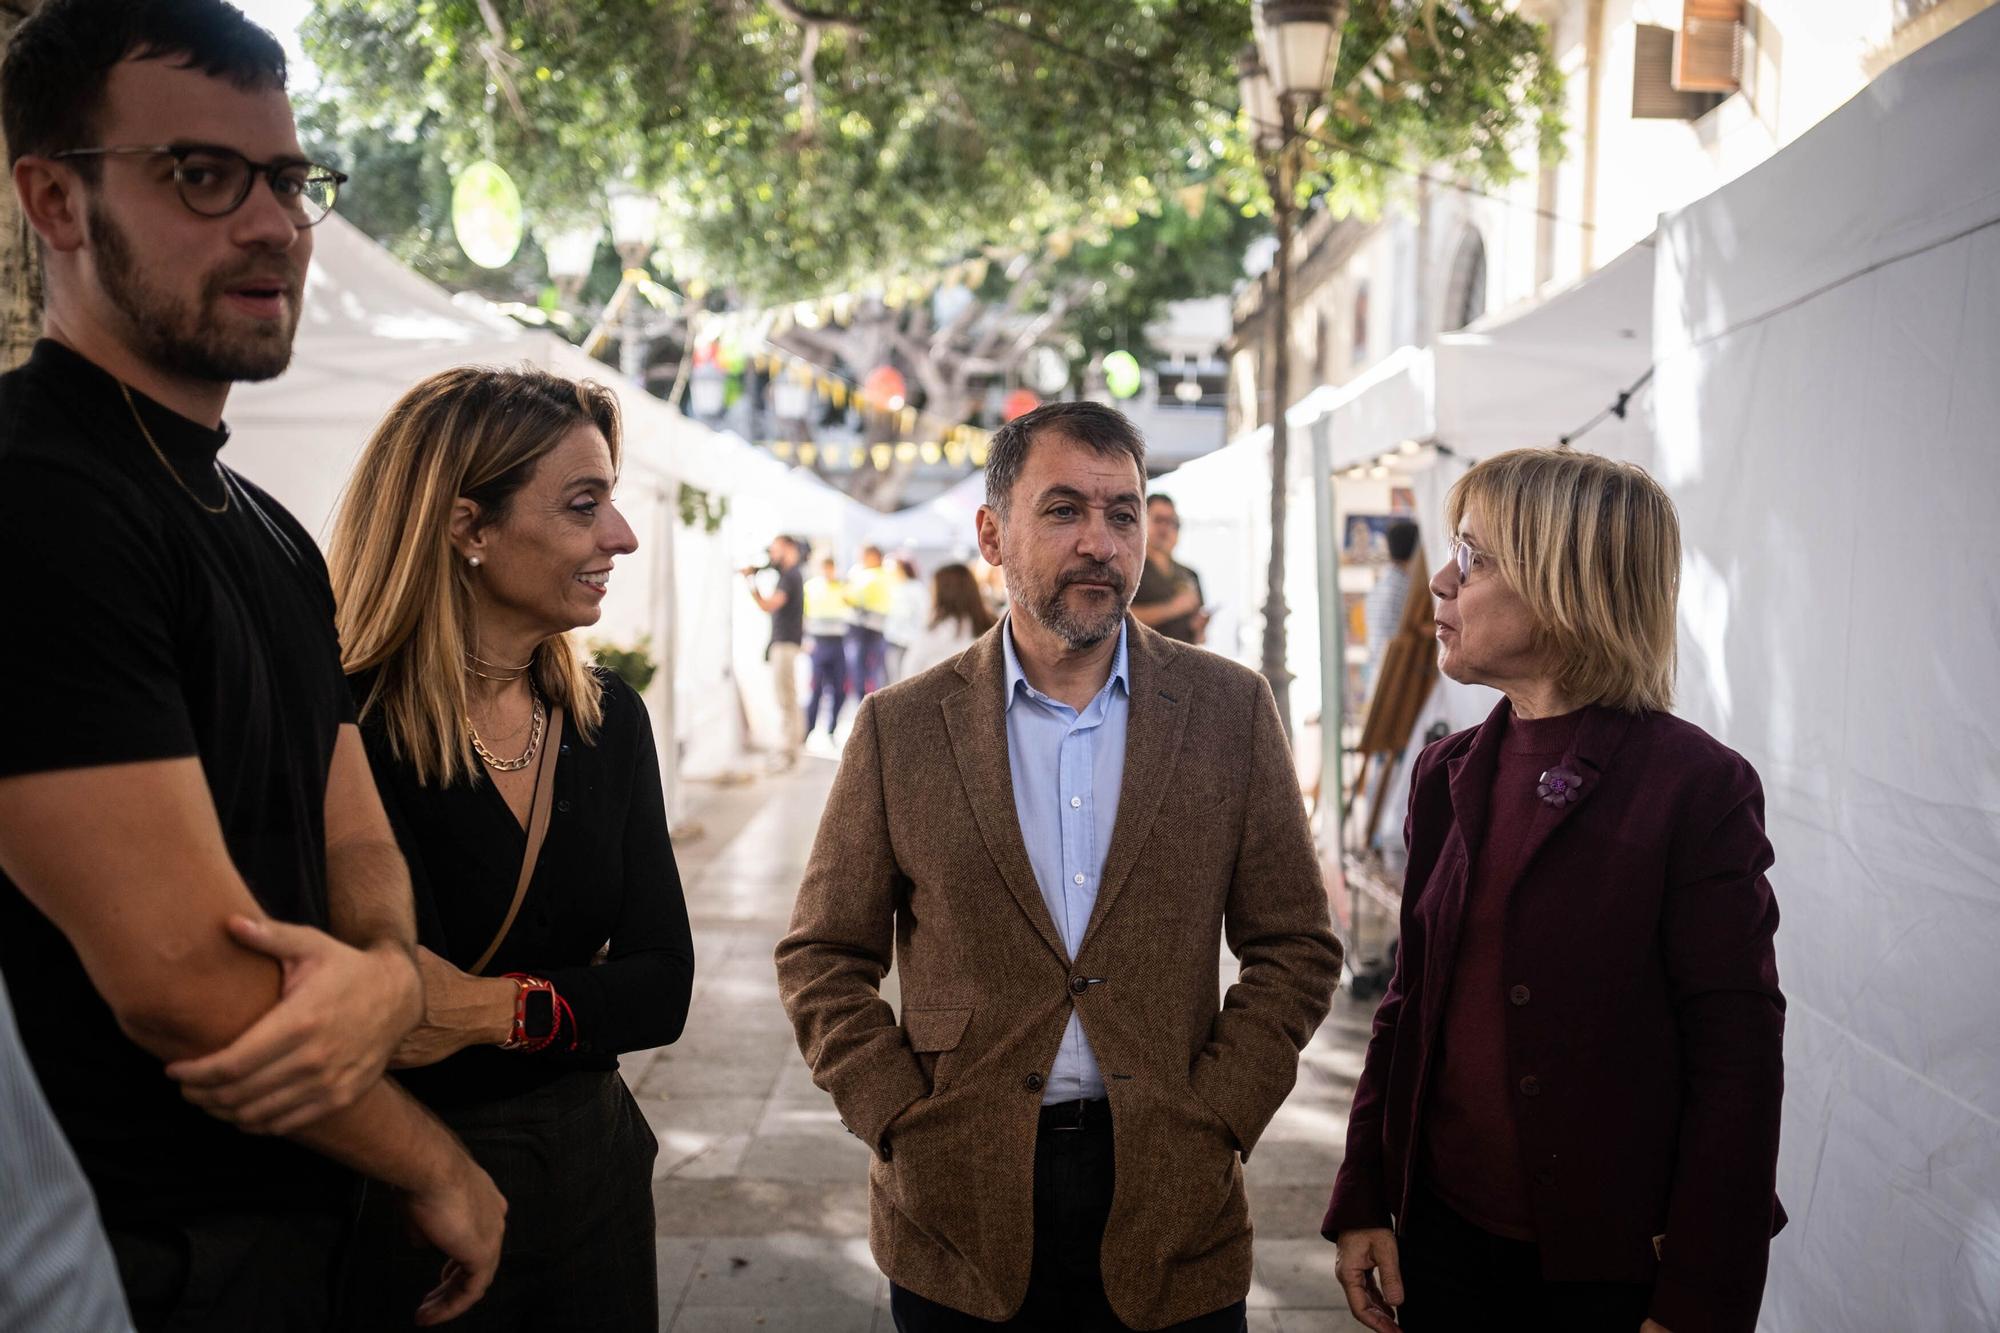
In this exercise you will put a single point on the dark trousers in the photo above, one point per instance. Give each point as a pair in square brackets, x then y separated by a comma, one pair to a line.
[829, 681]
[867, 660]
[1073, 1179]
[575, 1162]
[1456, 1277]
[233, 1273]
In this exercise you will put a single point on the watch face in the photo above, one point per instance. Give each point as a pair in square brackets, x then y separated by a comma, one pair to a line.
[538, 1017]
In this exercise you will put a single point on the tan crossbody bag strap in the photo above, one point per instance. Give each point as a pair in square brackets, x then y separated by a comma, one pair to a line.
[538, 829]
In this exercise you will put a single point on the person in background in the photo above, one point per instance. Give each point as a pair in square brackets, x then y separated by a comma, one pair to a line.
[909, 609]
[870, 600]
[56, 1269]
[526, 791]
[1383, 610]
[1169, 596]
[958, 617]
[202, 908]
[827, 617]
[786, 605]
[1567, 1116]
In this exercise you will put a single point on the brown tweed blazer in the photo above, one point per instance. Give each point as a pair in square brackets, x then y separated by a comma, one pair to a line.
[920, 851]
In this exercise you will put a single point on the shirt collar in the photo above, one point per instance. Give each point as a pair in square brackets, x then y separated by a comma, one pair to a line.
[1017, 679]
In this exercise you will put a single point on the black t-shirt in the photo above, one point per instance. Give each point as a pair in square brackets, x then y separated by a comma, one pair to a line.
[1156, 587]
[788, 622]
[606, 873]
[158, 631]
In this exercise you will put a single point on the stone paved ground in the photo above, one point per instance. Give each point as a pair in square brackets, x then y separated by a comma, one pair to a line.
[762, 1196]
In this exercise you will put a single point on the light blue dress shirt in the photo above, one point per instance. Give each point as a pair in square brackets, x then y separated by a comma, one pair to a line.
[1067, 768]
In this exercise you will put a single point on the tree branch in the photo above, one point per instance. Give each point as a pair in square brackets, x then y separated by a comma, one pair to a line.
[499, 58]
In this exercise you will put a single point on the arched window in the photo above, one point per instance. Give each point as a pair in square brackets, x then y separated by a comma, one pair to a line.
[1465, 297]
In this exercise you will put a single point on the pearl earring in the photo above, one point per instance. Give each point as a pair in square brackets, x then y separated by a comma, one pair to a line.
[472, 560]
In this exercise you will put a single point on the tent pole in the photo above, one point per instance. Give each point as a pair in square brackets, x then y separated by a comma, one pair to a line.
[1332, 664]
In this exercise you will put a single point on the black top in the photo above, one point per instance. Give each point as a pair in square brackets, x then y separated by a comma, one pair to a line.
[1156, 587]
[606, 871]
[788, 622]
[162, 631]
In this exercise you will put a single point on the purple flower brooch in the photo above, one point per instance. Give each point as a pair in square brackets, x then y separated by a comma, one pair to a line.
[1559, 786]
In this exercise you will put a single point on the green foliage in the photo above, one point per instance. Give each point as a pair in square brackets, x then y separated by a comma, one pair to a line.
[634, 665]
[927, 131]
[699, 509]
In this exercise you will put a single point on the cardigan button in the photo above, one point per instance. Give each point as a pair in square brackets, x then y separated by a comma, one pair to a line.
[1078, 985]
[1531, 1086]
[1033, 1083]
[1518, 995]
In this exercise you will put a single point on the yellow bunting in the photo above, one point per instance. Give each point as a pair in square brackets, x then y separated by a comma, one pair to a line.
[931, 452]
[839, 395]
[908, 418]
[781, 449]
[807, 453]
[807, 314]
[906, 451]
[882, 455]
[857, 456]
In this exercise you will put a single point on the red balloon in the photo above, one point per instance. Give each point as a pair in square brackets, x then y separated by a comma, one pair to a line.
[1018, 404]
[885, 387]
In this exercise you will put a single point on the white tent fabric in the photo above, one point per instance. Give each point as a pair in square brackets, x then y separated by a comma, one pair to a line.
[1824, 415]
[371, 328]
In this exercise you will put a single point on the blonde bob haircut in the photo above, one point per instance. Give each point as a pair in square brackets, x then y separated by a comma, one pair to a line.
[1593, 547]
[404, 601]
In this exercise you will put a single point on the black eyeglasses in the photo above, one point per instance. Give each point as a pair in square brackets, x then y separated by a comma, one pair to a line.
[214, 181]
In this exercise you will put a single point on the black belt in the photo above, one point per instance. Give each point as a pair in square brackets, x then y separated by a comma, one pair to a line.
[1095, 1115]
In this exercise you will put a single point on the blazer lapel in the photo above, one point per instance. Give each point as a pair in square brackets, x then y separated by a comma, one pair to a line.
[1598, 737]
[976, 720]
[1155, 720]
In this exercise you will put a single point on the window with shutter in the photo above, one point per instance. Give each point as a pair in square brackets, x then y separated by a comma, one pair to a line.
[1709, 55]
[1654, 96]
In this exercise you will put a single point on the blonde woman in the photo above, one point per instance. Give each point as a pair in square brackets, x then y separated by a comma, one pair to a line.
[1567, 1117]
[478, 531]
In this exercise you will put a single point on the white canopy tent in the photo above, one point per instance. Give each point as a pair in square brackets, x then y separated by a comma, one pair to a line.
[1824, 415]
[371, 329]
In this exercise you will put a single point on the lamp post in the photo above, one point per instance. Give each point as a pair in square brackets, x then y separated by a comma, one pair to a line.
[1281, 77]
[635, 214]
[570, 252]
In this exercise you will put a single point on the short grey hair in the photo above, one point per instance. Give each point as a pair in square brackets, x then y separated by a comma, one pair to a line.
[1102, 429]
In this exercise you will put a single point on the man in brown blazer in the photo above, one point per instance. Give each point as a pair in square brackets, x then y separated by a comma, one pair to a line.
[1049, 835]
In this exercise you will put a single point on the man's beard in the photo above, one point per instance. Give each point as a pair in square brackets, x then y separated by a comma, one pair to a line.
[1078, 631]
[175, 337]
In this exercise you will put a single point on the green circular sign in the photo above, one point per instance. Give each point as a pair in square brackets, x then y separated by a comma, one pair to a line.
[1121, 374]
[486, 215]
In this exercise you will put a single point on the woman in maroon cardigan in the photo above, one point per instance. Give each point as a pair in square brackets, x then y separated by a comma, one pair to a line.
[1568, 1115]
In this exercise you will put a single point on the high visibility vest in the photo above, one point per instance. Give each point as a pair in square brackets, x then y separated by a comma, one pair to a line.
[869, 593]
[827, 612]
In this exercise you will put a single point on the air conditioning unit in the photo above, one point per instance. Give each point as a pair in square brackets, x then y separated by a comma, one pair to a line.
[1708, 58]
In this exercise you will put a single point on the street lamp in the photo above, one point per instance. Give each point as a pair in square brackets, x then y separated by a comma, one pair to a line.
[1281, 78]
[635, 214]
[571, 253]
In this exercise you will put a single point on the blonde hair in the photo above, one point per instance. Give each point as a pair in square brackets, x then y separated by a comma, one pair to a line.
[1593, 547]
[404, 602]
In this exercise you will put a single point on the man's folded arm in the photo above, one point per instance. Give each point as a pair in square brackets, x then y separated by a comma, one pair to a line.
[841, 942]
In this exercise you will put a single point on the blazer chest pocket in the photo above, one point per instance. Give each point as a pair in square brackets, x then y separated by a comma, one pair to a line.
[934, 1031]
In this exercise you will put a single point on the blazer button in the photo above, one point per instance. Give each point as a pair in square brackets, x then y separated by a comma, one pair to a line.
[563, 806]
[1078, 985]
[1032, 1082]
[1544, 1176]
[1519, 995]
[1531, 1086]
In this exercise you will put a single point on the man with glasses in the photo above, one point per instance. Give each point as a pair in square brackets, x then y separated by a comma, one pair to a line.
[1169, 596]
[195, 870]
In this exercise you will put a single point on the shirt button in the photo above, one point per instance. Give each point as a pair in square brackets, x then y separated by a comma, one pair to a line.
[1079, 879]
[1033, 1082]
[1531, 1086]
[1076, 803]
[1078, 985]
[563, 806]
[1519, 995]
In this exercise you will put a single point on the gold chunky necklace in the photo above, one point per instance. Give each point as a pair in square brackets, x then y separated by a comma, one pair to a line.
[160, 454]
[538, 720]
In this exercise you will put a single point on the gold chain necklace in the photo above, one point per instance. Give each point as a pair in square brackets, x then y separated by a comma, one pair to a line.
[160, 454]
[527, 755]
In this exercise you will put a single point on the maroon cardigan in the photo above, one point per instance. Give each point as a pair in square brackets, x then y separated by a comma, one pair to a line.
[1645, 1028]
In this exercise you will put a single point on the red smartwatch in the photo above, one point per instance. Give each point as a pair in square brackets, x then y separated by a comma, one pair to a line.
[534, 1013]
